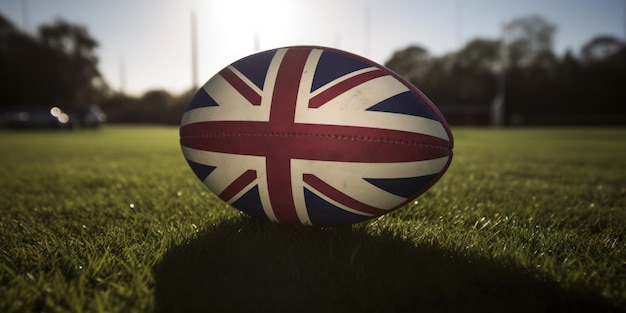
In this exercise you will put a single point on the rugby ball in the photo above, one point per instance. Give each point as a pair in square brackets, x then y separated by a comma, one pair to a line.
[314, 135]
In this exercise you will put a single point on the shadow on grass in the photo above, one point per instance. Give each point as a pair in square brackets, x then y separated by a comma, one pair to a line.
[249, 265]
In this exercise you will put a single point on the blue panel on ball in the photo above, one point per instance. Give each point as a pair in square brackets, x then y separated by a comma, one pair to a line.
[250, 203]
[403, 187]
[255, 66]
[404, 103]
[201, 99]
[332, 66]
[322, 212]
[201, 170]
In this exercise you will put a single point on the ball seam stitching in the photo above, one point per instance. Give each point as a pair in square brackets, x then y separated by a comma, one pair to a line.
[307, 135]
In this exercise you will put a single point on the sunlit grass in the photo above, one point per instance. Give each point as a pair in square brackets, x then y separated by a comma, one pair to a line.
[114, 221]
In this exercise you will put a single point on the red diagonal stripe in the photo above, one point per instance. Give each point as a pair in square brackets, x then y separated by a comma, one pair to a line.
[339, 196]
[341, 87]
[238, 184]
[241, 86]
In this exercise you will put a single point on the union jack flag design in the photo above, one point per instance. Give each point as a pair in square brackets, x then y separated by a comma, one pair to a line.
[313, 135]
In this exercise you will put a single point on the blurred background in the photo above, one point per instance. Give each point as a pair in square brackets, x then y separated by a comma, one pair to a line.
[76, 64]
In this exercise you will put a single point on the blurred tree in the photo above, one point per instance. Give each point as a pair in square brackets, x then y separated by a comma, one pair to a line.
[475, 68]
[154, 106]
[413, 63]
[118, 108]
[528, 37]
[531, 67]
[179, 105]
[541, 87]
[479, 55]
[466, 76]
[16, 49]
[72, 49]
[600, 48]
[58, 67]
[604, 74]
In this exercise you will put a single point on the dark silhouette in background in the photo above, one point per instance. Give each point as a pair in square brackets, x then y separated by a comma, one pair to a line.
[540, 88]
[51, 79]
[59, 67]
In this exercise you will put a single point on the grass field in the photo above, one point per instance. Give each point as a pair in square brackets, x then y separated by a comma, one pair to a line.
[525, 220]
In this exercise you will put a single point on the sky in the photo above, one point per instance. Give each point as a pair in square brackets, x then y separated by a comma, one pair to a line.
[146, 44]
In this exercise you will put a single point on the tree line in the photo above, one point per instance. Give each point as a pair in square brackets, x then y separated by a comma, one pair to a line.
[535, 85]
[58, 66]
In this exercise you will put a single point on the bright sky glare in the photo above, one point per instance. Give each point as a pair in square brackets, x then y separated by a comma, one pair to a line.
[149, 41]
